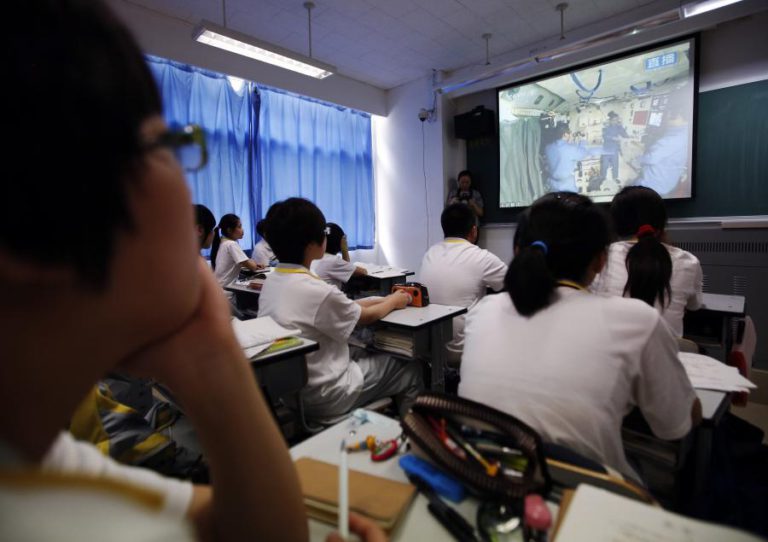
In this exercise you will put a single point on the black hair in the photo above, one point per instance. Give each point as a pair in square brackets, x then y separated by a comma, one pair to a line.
[80, 94]
[649, 265]
[260, 228]
[462, 173]
[227, 223]
[457, 220]
[291, 225]
[574, 230]
[205, 219]
[335, 233]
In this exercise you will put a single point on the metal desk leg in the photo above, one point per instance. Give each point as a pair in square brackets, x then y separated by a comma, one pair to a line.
[439, 334]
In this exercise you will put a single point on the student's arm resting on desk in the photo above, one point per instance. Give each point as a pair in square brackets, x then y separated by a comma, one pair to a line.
[255, 493]
[663, 390]
[376, 311]
[253, 266]
[369, 301]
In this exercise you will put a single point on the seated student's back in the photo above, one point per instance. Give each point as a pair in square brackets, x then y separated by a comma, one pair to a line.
[642, 266]
[456, 271]
[569, 363]
[339, 380]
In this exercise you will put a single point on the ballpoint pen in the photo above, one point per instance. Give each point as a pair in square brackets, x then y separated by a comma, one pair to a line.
[449, 518]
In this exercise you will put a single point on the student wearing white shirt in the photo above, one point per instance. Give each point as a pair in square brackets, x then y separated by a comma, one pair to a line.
[642, 266]
[569, 363]
[334, 267]
[457, 272]
[262, 253]
[123, 289]
[227, 258]
[339, 380]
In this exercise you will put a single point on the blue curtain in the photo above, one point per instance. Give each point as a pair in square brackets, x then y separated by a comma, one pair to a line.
[320, 152]
[265, 145]
[193, 95]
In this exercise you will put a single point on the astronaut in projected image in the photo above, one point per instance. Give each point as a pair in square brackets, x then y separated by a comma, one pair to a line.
[562, 156]
[664, 162]
[613, 132]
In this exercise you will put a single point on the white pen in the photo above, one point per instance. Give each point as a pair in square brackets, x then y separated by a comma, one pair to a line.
[343, 493]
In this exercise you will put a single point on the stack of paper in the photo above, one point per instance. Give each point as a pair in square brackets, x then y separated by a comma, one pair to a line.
[710, 374]
[391, 340]
[595, 515]
[257, 334]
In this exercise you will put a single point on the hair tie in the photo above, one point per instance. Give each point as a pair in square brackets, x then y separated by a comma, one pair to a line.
[542, 245]
[645, 229]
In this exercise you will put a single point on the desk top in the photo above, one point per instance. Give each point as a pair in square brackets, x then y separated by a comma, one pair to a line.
[416, 317]
[733, 304]
[417, 524]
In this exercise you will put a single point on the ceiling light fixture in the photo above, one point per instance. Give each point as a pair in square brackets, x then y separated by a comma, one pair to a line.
[236, 42]
[697, 8]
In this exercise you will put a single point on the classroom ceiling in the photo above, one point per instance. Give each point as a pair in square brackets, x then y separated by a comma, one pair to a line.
[387, 43]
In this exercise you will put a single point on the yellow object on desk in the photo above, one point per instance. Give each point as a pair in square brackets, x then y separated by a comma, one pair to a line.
[282, 344]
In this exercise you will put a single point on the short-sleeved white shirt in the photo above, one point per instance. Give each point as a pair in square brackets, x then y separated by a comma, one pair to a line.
[685, 283]
[296, 298]
[69, 456]
[333, 269]
[262, 253]
[573, 370]
[456, 272]
[228, 261]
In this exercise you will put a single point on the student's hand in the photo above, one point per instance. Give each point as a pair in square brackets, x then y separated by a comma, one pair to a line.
[401, 299]
[366, 529]
[204, 337]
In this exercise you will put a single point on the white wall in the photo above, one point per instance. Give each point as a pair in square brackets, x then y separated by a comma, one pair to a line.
[408, 207]
[169, 37]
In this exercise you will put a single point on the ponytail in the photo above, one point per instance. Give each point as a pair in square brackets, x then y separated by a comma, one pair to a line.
[215, 246]
[557, 239]
[649, 269]
[529, 280]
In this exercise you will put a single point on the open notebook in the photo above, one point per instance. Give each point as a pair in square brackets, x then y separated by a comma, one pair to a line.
[382, 500]
[257, 334]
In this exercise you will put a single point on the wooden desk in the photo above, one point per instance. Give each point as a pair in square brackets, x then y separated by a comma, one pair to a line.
[430, 327]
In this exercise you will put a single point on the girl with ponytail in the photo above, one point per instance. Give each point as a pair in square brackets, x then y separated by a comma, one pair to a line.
[227, 258]
[569, 363]
[641, 265]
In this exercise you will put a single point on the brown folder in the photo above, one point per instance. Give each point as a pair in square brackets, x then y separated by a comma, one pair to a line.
[382, 500]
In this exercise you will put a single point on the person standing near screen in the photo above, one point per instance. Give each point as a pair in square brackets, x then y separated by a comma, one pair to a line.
[464, 193]
[664, 161]
[612, 133]
[562, 156]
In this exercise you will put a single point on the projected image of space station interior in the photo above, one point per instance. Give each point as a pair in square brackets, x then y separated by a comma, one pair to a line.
[595, 130]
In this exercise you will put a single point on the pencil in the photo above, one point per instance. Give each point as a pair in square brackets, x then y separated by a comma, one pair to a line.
[343, 493]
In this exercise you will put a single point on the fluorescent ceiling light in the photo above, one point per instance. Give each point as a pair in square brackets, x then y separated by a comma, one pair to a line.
[235, 42]
[697, 8]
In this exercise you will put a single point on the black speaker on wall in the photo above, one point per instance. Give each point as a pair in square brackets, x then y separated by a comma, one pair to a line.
[475, 124]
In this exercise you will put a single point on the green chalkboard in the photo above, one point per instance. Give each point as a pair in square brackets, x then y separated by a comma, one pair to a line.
[731, 173]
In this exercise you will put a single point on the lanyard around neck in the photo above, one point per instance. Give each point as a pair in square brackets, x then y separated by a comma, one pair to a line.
[296, 271]
[571, 284]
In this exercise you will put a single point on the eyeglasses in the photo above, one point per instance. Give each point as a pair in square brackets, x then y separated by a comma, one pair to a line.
[187, 143]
